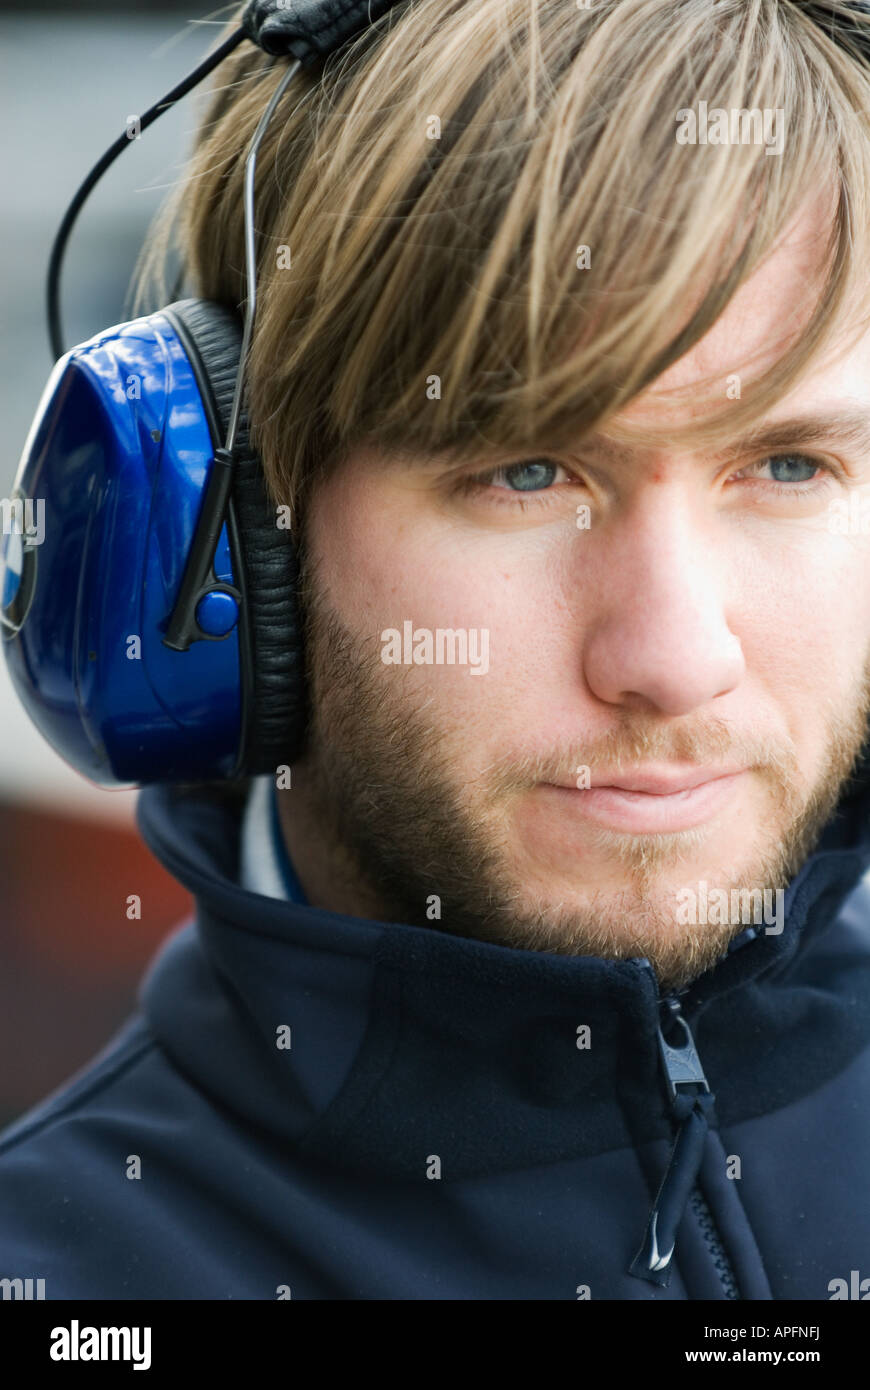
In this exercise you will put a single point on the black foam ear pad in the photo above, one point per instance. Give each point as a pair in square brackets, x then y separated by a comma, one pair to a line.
[270, 631]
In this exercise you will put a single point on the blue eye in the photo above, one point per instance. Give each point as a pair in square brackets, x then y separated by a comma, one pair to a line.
[527, 476]
[790, 475]
[517, 486]
[787, 468]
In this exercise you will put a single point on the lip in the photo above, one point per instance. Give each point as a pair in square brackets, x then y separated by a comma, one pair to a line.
[661, 780]
[688, 799]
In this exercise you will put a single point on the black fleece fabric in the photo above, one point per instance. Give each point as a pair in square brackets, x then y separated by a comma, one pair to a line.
[331, 1107]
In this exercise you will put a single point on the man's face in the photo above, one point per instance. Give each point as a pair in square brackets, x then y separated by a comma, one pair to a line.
[707, 620]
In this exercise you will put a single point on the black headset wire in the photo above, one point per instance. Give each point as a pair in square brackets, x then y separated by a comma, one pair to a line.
[198, 578]
[55, 264]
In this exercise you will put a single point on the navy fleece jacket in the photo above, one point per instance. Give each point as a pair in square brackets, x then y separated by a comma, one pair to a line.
[334, 1108]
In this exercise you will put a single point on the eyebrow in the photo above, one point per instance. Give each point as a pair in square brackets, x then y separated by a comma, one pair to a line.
[850, 428]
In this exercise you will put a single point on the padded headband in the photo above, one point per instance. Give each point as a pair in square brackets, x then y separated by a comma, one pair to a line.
[308, 29]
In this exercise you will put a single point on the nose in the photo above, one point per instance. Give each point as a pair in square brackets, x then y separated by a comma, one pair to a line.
[659, 637]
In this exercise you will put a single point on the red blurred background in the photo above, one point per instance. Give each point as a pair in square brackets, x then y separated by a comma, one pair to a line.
[71, 958]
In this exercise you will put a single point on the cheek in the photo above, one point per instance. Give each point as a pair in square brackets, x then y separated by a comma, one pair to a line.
[384, 564]
[386, 557]
[805, 627]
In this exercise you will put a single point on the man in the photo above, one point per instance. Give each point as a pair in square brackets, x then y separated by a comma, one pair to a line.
[544, 973]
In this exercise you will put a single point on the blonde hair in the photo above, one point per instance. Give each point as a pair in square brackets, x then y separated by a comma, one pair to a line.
[388, 258]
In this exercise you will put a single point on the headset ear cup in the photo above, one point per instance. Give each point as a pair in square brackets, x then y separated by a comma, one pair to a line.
[270, 630]
[275, 733]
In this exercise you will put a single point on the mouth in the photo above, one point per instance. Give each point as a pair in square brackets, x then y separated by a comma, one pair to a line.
[650, 800]
[663, 780]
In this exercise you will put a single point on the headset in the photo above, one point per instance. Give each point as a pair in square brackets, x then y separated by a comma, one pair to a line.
[149, 612]
[150, 618]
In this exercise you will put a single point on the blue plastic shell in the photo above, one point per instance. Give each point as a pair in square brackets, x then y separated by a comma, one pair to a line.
[114, 467]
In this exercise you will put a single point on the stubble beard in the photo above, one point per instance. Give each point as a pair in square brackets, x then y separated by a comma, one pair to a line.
[398, 824]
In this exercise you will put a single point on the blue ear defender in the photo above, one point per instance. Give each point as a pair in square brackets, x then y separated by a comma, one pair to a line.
[148, 596]
[119, 461]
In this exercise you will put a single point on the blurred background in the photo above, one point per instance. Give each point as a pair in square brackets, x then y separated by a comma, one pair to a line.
[70, 76]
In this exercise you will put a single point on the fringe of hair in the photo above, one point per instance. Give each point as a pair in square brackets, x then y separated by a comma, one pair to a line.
[423, 197]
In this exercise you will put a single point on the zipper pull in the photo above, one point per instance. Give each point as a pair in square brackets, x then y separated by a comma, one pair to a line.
[691, 1102]
[681, 1063]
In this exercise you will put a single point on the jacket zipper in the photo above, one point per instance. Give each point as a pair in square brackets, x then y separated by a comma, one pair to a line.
[717, 1250]
[691, 1101]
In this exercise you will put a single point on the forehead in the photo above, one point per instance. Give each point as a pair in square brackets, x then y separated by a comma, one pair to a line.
[762, 320]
